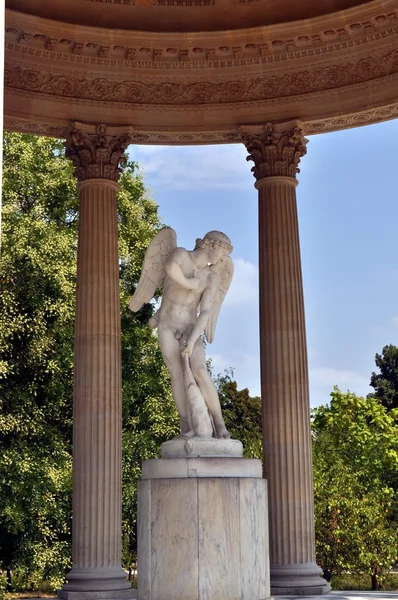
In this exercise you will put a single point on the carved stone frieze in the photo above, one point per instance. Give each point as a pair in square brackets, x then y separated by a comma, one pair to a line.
[277, 150]
[96, 152]
[171, 92]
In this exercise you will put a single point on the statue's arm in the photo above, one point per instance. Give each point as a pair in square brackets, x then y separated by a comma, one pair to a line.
[174, 271]
[206, 304]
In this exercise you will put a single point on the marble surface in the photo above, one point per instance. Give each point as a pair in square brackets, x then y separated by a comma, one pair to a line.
[203, 538]
[162, 468]
[199, 447]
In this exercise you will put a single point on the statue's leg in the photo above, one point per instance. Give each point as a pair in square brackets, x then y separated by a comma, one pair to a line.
[208, 389]
[170, 348]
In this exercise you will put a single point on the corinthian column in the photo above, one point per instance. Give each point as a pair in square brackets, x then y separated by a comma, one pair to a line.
[276, 151]
[96, 536]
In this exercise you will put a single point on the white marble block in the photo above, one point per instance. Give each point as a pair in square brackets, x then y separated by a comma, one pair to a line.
[202, 538]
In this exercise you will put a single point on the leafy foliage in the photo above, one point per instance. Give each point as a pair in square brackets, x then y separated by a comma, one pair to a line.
[242, 414]
[355, 450]
[385, 383]
[37, 285]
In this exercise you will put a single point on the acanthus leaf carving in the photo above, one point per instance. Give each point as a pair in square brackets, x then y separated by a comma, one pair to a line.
[97, 155]
[276, 151]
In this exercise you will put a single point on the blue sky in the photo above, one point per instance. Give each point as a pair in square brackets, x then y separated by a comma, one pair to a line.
[348, 215]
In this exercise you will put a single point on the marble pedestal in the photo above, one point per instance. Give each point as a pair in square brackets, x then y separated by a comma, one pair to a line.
[203, 530]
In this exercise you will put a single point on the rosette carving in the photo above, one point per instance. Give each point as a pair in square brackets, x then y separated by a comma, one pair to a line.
[97, 154]
[276, 151]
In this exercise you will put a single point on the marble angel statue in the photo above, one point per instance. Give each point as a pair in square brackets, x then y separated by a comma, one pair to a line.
[194, 285]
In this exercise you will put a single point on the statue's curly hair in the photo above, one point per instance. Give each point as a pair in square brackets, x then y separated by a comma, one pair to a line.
[214, 239]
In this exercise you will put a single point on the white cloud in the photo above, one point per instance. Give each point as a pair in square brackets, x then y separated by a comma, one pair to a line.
[198, 167]
[394, 321]
[245, 366]
[244, 286]
[323, 379]
[343, 378]
[218, 362]
[146, 150]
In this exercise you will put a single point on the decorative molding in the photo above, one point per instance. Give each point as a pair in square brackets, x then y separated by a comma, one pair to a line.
[261, 45]
[277, 150]
[228, 136]
[264, 87]
[35, 127]
[115, 1]
[189, 137]
[136, 137]
[183, 2]
[97, 152]
[367, 117]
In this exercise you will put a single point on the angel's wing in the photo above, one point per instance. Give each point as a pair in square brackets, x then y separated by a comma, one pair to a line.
[225, 271]
[153, 270]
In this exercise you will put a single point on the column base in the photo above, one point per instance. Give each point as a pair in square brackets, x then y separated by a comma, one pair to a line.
[298, 580]
[202, 537]
[96, 584]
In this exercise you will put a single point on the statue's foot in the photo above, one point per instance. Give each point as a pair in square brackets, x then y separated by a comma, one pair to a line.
[222, 432]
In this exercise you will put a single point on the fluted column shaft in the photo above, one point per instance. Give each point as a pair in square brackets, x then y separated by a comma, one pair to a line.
[97, 424]
[283, 357]
[97, 407]
[284, 375]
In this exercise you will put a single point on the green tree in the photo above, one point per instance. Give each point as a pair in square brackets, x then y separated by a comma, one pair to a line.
[385, 383]
[355, 454]
[242, 414]
[37, 303]
[38, 270]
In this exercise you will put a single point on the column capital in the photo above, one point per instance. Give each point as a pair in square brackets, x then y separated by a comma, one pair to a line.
[97, 150]
[275, 148]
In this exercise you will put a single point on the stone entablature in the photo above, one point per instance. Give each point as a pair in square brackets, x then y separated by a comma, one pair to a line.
[331, 72]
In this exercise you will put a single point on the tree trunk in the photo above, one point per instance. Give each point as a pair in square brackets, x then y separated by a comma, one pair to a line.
[8, 576]
[374, 582]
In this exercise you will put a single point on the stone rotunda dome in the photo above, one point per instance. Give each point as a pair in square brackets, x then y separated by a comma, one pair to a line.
[197, 71]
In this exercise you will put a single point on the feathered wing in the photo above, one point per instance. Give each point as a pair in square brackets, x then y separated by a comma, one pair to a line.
[153, 270]
[225, 271]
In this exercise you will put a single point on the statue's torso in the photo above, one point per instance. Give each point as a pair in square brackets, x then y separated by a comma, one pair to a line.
[179, 305]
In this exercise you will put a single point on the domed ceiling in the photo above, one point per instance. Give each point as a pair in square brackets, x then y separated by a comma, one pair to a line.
[199, 71]
[180, 15]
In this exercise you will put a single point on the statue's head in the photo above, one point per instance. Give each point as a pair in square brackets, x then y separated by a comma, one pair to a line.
[217, 245]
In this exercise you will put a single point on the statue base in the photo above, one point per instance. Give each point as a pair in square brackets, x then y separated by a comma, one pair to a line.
[203, 530]
[181, 447]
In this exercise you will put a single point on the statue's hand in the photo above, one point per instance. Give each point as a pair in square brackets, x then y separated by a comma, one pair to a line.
[186, 348]
[193, 283]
